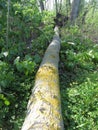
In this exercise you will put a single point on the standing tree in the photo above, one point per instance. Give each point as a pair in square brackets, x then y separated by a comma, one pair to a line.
[41, 5]
[44, 109]
[60, 5]
[75, 10]
[56, 6]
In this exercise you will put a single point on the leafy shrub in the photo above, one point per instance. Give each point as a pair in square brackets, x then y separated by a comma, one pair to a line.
[26, 67]
[79, 84]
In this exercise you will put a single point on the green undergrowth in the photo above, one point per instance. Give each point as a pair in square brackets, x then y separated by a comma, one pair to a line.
[79, 82]
[21, 52]
[78, 69]
[17, 76]
[20, 59]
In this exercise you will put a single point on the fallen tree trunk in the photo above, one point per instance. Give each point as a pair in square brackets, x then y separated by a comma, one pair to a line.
[44, 106]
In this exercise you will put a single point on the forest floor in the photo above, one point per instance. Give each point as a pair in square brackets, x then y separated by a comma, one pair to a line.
[79, 79]
[78, 72]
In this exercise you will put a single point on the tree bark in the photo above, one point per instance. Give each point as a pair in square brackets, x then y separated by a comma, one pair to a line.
[75, 10]
[44, 106]
[60, 6]
[56, 6]
[41, 5]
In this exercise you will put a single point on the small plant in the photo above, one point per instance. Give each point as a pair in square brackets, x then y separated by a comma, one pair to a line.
[27, 66]
[79, 84]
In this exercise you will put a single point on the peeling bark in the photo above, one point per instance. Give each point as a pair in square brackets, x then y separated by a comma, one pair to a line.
[44, 106]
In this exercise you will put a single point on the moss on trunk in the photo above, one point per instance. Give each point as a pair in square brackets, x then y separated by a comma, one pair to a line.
[44, 107]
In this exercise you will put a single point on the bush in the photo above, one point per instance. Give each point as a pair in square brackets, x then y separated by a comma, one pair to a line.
[79, 84]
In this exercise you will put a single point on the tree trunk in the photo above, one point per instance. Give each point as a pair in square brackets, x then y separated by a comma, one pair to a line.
[56, 6]
[60, 6]
[84, 16]
[41, 5]
[75, 10]
[50, 5]
[44, 106]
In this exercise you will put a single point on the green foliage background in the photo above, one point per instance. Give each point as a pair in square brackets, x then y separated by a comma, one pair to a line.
[30, 32]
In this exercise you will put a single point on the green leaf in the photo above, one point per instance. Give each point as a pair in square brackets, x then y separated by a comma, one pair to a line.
[37, 58]
[6, 102]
